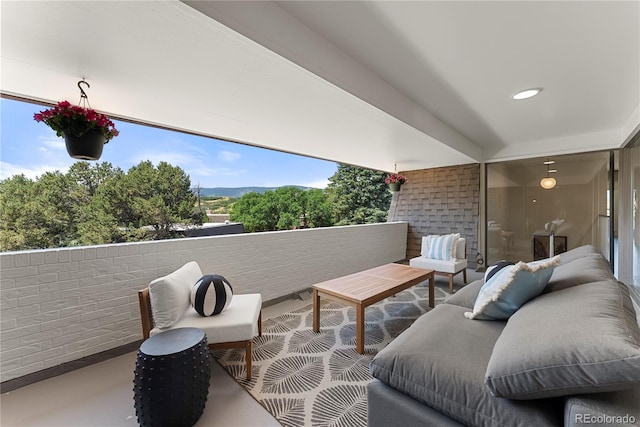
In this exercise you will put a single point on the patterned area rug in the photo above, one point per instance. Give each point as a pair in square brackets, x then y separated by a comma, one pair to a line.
[305, 378]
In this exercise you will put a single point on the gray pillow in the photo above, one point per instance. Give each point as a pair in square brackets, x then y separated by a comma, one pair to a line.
[590, 268]
[583, 339]
[577, 253]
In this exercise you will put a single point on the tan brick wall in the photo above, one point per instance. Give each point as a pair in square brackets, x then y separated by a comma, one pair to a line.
[440, 201]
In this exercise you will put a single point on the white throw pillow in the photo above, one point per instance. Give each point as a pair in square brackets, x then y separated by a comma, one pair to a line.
[170, 295]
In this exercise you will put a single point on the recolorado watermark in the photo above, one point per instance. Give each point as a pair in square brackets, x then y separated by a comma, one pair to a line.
[626, 419]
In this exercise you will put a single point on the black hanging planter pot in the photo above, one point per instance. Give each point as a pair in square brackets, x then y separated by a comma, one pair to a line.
[394, 186]
[86, 147]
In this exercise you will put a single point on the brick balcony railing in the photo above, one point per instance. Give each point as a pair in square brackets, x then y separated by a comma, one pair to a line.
[59, 305]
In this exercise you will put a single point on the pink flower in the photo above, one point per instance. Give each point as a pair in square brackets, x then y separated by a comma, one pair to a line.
[67, 118]
[395, 178]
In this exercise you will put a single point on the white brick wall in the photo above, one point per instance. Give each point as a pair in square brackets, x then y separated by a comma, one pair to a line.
[58, 305]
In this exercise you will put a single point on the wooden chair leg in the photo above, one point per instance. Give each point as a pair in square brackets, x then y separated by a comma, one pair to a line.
[248, 359]
[451, 283]
[464, 275]
[260, 324]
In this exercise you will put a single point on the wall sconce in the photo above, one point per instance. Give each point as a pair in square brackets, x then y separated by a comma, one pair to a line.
[548, 182]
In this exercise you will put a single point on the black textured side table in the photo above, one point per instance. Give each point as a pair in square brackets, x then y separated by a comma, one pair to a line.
[172, 376]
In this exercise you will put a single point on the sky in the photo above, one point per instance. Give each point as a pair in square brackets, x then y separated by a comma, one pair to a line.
[31, 148]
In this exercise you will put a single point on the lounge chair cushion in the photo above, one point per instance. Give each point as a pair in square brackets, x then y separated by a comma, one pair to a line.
[170, 294]
[239, 322]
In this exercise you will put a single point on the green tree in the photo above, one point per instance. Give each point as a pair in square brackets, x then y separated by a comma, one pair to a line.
[90, 177]
[283, 209]
[317, 210]
[147, 196]
[95, 222]
[95, 204]
[56, 194]
[19, 215]
[288, 207]
[253, 212]
[358, 195]
[56, 210]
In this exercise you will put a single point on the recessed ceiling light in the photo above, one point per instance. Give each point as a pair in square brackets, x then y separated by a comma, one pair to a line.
[549, 162]
[527, 93]
[552, 170]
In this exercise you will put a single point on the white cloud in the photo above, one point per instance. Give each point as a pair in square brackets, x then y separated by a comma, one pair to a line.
[195, 165]
[222, 172]
[52, 142]
[228, 156]
[8, 170]
[322, 184]
[179, 158]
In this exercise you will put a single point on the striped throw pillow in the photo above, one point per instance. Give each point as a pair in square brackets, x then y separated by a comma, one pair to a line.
[211, 295]
[443, 247]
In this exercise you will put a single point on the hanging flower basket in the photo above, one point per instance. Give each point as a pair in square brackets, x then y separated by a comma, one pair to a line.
[395, 181]
[85, 131]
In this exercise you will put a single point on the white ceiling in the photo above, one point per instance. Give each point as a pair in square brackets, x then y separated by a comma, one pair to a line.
[419, 84]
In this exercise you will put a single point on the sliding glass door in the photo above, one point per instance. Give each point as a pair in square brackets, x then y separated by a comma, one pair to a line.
[526, 221]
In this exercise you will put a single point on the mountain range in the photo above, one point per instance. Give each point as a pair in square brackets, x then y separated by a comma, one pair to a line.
[237, 192]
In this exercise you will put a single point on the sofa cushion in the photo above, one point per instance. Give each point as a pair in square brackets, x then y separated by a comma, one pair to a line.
[440, 361]
[583, 339]
[579, 252]
[617, 408]
[387, 407]
[511, 287]
[466, 297]
[590, 268]
[170, 294]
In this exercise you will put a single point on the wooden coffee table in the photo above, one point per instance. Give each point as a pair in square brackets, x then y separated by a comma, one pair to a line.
[368, 287]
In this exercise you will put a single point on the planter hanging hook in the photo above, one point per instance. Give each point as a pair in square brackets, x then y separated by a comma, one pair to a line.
[84, 99]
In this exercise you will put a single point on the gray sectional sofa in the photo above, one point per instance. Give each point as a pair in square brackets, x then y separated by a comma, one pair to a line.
[568, 357]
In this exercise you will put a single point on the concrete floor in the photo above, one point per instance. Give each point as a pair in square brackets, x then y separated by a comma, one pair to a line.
[102, 394]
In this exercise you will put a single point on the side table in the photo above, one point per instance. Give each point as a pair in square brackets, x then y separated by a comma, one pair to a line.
[172, 377]
[547, 245]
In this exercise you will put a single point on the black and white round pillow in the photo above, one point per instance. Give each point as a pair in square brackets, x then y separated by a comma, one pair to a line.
[211, 295]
